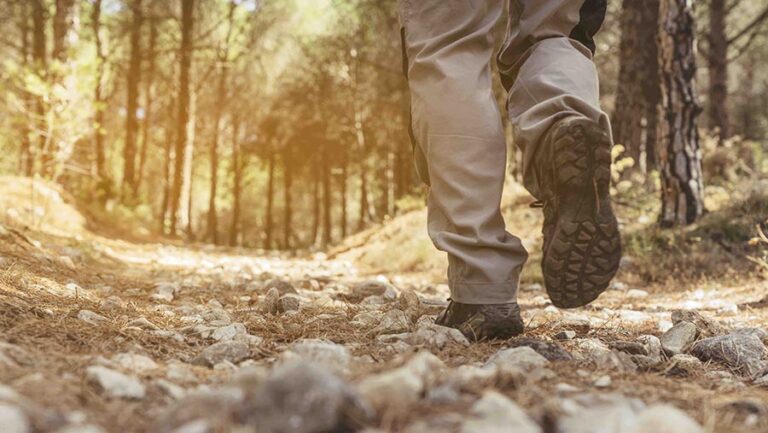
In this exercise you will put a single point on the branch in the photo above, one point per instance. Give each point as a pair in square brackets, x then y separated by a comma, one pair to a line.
[755, 24]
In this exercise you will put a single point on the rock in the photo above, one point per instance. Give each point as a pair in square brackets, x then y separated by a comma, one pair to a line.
[91, 318]
[320, 352]
[134, 363]
[603, 382]
[67, 262]
[576, 322]
[164, 292]
[762, 381]
[229, 332]
[565, 335]
[12, 355]
[495, 413]
[13, 420]
[678, 338]
[366, 319]
[372, 288]
[552, 351]
[232, 351]
[636, 294]
[283, 287]
[112, 303]
[289, 303]
[603, 357]
[115, 384]
[684, 365]
[662, 418]
[651, 344]
[303, 398]
[742, 350]
[436, 336]
[395, 391]
[393, 322]
[409, 302]
[521, 358]
[202, 408]
[608, 413]
[271, 302]
[705, 326]
[142, 323]
[81, 428]
[470, 378]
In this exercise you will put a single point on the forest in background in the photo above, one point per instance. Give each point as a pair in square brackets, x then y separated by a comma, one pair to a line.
[282, 124]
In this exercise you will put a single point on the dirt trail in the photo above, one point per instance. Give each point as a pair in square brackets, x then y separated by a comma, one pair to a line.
[103, 335]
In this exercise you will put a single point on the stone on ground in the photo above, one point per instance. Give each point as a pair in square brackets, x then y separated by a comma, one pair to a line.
[91, 317]
[550, 350]
[230, 351]
[283, 287]
[271, 302]
[517, 358]
[13, 420]
[742, 350]
[115, 384]
[706, 326]
[134, 362]
[678, 338]
[322, 352]
[393, 322]
[303, 398]
[495, 413]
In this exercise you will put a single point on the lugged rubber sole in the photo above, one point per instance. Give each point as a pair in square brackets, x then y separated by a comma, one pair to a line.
[583, 251]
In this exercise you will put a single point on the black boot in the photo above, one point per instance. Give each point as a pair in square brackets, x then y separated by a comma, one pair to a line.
[483, 322]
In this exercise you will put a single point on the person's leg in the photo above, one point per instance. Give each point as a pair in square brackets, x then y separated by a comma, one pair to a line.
[546, 66]
[553, 104]
[460, 143]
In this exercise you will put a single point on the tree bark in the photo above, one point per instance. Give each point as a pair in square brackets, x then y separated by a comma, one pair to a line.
[326, 182]
[149, 97]
[222, 59]
[679, 151]
[628, 115]
[65, 27]
[133, 79]
[270, 202]
[39, 56]
[237, 182]
[287, 200]
[99, 102]
[315, 200]
[185, 54]
[26, 161]
[717, 60]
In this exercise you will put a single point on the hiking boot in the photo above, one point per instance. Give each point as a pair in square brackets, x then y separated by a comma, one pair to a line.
[582, 247]
[483, 322]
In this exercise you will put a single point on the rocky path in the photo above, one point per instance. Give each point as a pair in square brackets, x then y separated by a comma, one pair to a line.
[106, 336]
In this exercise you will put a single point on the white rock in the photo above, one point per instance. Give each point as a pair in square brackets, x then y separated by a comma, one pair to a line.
[229, 332]
[517, 358]
[665, 419]
[134, 363]
[232, 351]
[13, 420]
[170, 389]
[115, 384]
[81, 428]
[678, 338]
[636, 294]
[326, 353]
[395, 391]
[90, 317]
[603, 382]
[393, 322]
[164, 292]
[495, 413]
[143, 323]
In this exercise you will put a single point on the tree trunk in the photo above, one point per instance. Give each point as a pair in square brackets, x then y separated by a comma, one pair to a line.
[187, 22]
[270, 202]
[326, 179]
[26, 161]
[133, 79]
[185, 217]
[149, 93]
[343, 192]
[287, 200]
[40, 61]
[237, 182]
[679, 152]
[630, 108]
[315, 200]
[65, 24]
[649, 50]
[99, 102]
[718, 70]
[363, 198]
[223, 59]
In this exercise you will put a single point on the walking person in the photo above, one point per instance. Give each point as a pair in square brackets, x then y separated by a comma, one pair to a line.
[459, 144]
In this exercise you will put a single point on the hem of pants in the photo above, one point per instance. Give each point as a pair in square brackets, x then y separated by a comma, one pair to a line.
[484, 293]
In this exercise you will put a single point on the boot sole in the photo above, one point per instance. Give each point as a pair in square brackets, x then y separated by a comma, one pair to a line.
[584, 252]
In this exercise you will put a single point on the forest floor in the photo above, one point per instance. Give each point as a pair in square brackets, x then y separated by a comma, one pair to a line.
[104, 335]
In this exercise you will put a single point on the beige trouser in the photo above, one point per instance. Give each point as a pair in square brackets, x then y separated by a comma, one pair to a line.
[546, 66]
